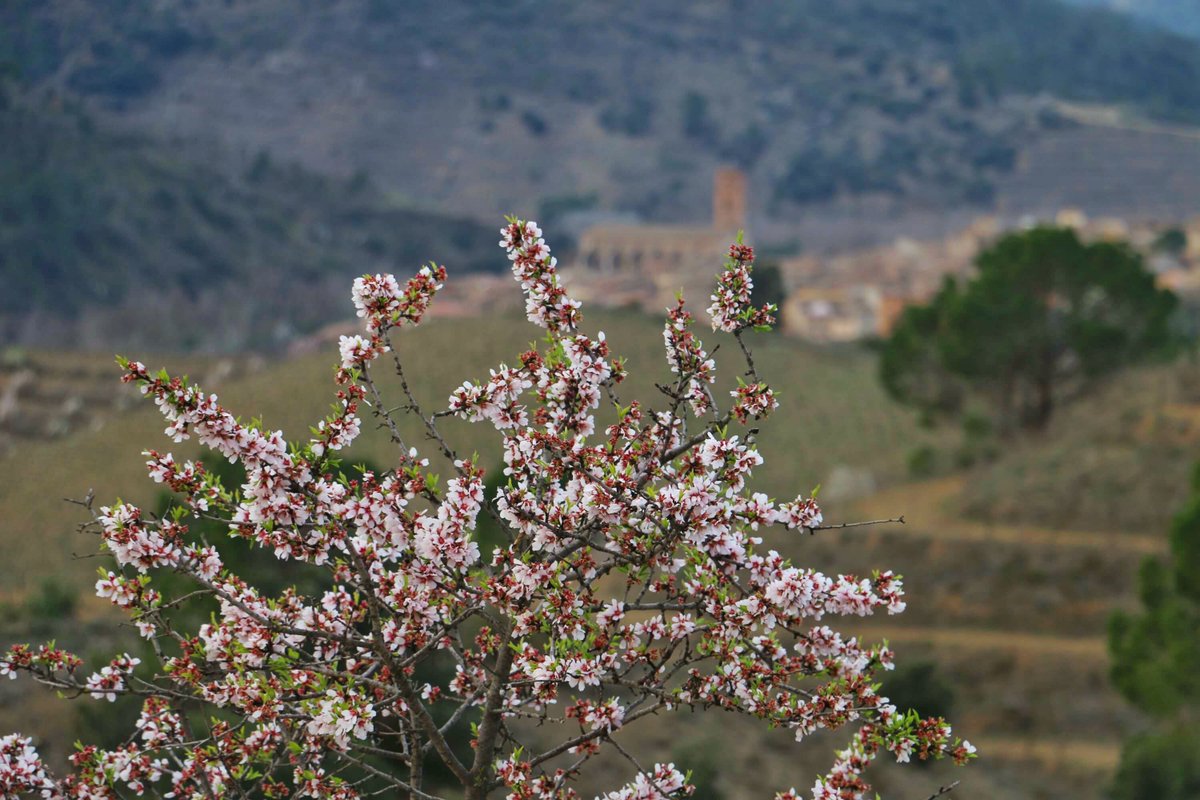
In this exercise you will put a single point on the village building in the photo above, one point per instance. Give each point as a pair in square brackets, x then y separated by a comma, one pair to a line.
[645, 266]
[833, 314]
[842, 297]
[860, 294]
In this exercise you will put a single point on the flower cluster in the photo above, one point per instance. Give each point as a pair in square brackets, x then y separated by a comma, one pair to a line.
[21, 769]
[687, 359]
[731, 310]
[631, 569]
[383, 302]
[110, 681]
[45, 660]
[800, 513]
[340, 717]
[753, 401]
[546, 302]
[662, 783]
[497, 400]
[357, 351]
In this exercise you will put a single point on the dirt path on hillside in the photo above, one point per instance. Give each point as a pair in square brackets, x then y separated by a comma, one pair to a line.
[1039, 644]
[924, 507]
[1102, 116]
[1052, 752]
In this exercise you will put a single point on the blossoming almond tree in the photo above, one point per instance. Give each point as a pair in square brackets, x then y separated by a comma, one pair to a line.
[635, 577]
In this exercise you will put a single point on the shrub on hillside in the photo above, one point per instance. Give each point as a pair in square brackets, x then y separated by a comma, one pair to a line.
[625, 575]
[1156, 665]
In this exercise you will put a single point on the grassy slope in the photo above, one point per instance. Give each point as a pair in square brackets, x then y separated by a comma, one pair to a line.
[1120, 460]
[1012, 614]
[833, 413]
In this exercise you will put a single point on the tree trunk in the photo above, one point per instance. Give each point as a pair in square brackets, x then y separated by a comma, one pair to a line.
[1005, 401]
[416, 767]
[1043, 401]
[489, 725]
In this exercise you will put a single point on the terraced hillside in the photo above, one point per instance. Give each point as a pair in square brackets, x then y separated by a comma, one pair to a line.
[1100, 167]
[46, 395]
[1012, 610]
[1117, 462]
[1016, 615]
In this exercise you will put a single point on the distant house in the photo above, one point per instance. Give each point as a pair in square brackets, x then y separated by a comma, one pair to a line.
[833, 314]
[839, 297]
[860, 294]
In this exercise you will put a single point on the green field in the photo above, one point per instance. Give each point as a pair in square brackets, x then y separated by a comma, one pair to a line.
[832, 413]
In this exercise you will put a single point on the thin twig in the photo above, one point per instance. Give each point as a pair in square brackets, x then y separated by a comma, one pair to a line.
[841, 525]
[947, 789]
[750, 370]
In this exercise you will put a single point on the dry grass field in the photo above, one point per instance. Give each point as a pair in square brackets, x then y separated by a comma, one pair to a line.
[1009, 593]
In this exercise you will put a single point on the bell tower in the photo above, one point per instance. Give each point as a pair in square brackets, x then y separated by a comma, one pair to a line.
[729, 199]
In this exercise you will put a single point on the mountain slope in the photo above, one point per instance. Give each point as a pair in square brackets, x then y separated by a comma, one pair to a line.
[489, 108]
[106, 238]
[1180, 16]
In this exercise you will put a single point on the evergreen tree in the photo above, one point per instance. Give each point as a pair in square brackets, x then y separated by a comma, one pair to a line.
[1156, 665]
[1045, 316]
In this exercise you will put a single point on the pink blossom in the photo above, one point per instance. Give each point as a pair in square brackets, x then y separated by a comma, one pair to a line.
[633, 563]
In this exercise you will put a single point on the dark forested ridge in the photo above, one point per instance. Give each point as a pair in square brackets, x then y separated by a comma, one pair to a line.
[620, 104]
[94, 221]
[123, 49]
[164, 147]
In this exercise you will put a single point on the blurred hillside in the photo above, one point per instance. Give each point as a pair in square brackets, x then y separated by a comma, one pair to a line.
[1181, 16]
[473, 108]
[111, 237]
[238, 159]
[1007, 598]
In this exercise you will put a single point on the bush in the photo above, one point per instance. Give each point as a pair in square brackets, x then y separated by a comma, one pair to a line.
[922, 462]
[534, 123]
[634, 116]
[697, 124]
[1173, 241]
[747, 147]
[703, 756]
[621, 577]
[1155, 659]
[54, 600]
[918, 684]
[1160, 766]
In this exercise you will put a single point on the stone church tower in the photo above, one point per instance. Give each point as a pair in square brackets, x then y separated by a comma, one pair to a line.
[647, 265]
[729, 200]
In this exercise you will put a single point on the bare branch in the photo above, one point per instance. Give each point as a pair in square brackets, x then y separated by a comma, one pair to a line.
[943, 790]
[842, 525]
